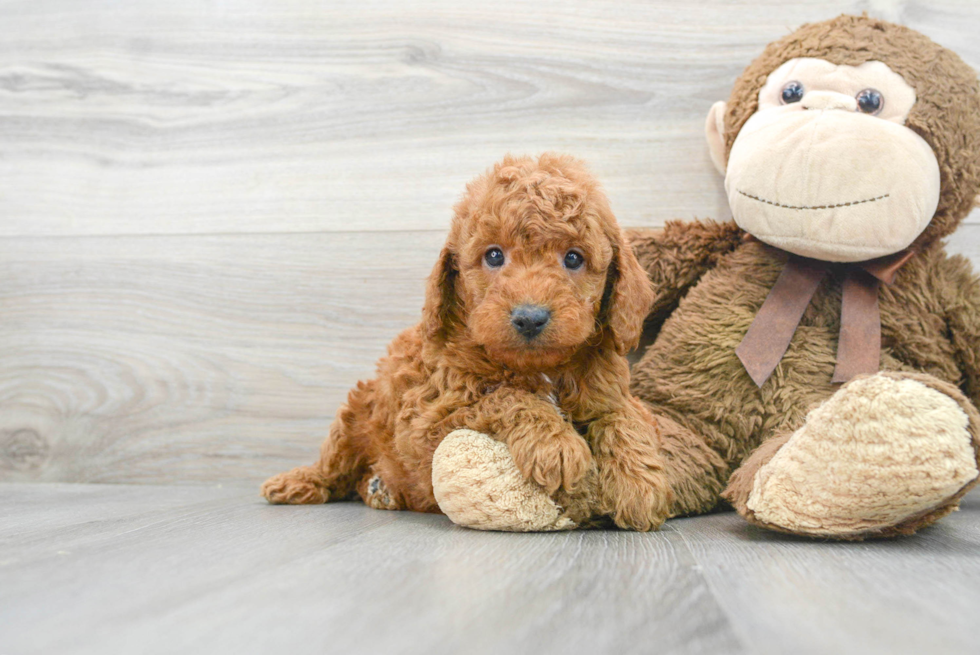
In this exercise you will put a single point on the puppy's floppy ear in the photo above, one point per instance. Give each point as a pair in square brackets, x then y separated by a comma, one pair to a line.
[628, 296]
[441, 309]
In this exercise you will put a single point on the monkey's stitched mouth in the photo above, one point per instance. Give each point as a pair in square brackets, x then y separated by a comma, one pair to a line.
[801, 207]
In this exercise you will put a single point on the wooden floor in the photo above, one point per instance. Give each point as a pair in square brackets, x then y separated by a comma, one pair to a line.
[153, 569]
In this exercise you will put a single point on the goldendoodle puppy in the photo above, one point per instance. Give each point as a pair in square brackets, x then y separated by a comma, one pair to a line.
[529, 313]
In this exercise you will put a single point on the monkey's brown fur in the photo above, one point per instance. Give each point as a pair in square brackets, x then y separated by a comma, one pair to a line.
[465, 366]
[710, 283]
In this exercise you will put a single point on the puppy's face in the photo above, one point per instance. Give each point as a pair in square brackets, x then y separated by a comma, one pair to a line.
[533, 284]
[536, 267]
[533, 256]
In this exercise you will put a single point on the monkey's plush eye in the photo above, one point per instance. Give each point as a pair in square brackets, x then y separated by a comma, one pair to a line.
[573, 260]
[870, 101]
[494, 257]
[792, 92]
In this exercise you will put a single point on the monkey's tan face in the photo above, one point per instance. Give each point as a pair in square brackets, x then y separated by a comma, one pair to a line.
[826, 167]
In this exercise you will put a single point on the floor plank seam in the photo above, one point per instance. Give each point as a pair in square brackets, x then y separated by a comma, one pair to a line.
[740, 634]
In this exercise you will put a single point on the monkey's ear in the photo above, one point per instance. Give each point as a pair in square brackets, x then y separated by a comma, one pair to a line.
[441, 302]
[714, 130]
[628, 297]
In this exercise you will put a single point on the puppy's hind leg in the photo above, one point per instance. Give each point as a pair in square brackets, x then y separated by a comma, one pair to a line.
[333, 477]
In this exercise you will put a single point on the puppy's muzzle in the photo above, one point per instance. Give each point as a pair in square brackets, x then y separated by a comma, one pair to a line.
[530, 320]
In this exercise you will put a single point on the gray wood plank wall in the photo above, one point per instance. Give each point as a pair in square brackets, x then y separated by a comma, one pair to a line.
[214, 216]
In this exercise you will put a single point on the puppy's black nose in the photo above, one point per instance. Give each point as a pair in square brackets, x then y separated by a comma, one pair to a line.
[529, 320]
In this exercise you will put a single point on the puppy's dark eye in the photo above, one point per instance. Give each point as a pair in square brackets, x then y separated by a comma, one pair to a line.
[573, 260]
[870, 101]
[792, 92]
[494, 257]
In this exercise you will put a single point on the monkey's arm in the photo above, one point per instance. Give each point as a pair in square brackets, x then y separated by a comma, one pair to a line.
[962, 303]
[677, 255]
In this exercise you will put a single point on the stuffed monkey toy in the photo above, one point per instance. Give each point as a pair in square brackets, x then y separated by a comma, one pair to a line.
[816, 362]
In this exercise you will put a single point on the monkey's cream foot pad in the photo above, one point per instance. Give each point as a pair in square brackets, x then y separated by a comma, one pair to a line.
[478, 485]
[879, 452]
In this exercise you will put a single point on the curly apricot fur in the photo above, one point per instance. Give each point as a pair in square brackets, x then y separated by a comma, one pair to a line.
[558, 400]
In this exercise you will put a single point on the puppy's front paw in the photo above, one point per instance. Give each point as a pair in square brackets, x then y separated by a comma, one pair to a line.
[634, 489]
[556, 459]
[638, 498]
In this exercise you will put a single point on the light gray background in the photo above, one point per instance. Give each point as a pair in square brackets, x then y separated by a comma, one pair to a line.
[215, 215]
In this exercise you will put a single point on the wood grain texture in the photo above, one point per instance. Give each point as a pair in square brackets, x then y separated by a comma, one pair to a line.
[216, 216]
[228, 573]
[157, 569]
[153, 359]
[180, 117]
[915, 595]
[208, 358]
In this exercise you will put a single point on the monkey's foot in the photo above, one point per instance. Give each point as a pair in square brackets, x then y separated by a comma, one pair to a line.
[885, 455]
[478, 485]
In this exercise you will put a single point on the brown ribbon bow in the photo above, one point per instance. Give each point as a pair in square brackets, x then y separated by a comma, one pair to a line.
[859, 344]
